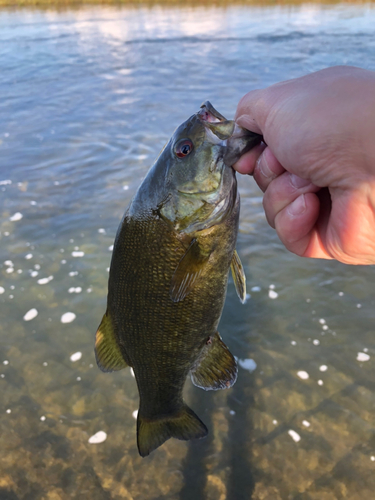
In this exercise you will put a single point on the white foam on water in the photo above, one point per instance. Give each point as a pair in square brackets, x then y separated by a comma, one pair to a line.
[78, 379]
[232, 412]
[10, 270]
[247, 364]
[5, 362]
[98, 438]
[372, 459]
[33, 313]
[78, 254]
[274, 422]
[32, 202]
[76, 356]
[256, 289]
[34, 274]
[272, 294]
[101, 230]
[293, 434]
[110, 248]
[125, 188]
[6, 182]
[316, 342]
[324, 327]
[306, 423]
[37, 267]
[293, 342]
[17, 216]
[135, 414]
[323, 368]
[9, 263]
[362, 356]
[45, 363]
[42, 418]
[303, 375]
[272, 287]
[29, 256]
[320, 382]
[322, 321]
[44, 281]
[73, 273]
[341, 294]
[73, 289]
[68, 317]
[8, 410]
[2, 290]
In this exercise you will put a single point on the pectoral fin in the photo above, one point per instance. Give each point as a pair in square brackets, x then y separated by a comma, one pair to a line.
[107, 352]
[216, 367]
[239, 277]
[188, 271]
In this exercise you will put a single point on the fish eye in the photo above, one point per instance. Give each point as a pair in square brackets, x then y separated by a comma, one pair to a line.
[183, 148]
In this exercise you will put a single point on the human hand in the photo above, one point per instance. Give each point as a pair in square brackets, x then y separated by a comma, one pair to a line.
[317, 171]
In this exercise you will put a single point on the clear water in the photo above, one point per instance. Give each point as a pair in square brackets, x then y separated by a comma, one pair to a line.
[88, 98]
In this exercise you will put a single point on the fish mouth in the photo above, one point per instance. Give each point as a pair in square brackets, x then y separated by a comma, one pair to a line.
[221, 128]
[209, 114]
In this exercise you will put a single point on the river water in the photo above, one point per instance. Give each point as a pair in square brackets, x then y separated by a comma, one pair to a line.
[88, 99]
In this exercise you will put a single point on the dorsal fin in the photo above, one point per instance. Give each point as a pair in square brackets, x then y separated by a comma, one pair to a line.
[108, 354]
[239, 277]
[216, 367]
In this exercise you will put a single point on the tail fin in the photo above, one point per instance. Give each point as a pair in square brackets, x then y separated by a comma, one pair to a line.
[152, 433]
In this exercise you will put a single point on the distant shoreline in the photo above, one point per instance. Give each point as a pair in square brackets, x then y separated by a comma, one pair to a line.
[169, 3]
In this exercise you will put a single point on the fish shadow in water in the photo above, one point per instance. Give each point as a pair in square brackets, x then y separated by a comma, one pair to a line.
[233, 465]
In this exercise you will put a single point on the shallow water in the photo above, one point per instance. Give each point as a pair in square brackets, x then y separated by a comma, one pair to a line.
[88, 98]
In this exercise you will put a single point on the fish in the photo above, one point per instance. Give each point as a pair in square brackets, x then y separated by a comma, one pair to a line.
[168, 277]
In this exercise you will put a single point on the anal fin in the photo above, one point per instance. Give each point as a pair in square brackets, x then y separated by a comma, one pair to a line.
[239, 277]
[216, 367]
[108, 354]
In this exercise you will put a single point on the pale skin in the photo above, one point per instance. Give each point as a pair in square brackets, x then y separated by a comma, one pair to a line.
[317, 171]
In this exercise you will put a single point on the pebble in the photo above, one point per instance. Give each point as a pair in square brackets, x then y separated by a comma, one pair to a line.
[362, 356]
[293, 434]
[16, 216]
[33, 313]
[97, 438]
[303, 375]
[76, 356]
[78, 253]
[68, 317]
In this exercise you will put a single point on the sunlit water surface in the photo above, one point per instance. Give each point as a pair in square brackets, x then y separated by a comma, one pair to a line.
[88, 98]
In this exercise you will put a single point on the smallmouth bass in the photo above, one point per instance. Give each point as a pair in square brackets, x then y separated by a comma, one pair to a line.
[169, 273]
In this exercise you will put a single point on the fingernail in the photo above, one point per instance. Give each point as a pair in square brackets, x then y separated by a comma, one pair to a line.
[298, 206]
[298, 182]
[262, 163]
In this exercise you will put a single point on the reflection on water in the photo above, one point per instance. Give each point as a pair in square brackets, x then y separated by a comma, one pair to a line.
[88, 99]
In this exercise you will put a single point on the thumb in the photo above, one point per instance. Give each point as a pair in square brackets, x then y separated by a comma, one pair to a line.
[247, 114]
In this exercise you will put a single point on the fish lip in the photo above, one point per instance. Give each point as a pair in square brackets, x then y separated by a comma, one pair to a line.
[209, 114]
